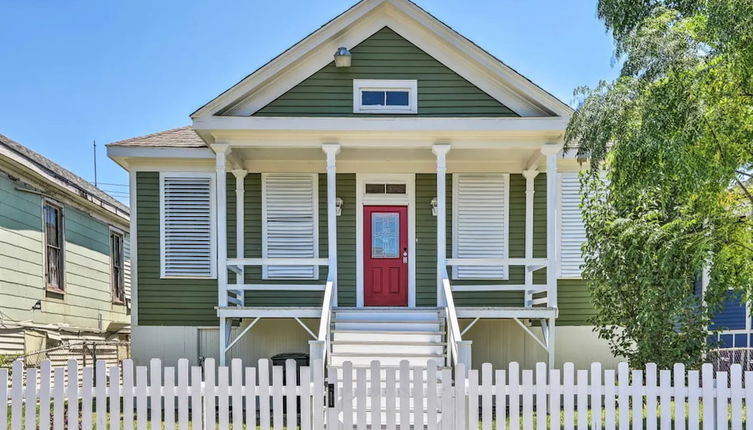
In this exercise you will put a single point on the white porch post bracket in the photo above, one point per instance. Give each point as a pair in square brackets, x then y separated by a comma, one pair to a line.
[530, 175]
[440, 151]
[221, 151]
[240, 206]
[331, 150]
[464, 354]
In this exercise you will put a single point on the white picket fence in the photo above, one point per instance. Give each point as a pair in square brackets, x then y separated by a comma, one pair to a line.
[375, 397]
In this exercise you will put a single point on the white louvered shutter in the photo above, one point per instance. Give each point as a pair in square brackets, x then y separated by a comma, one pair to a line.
[187, 226]
[572, 232]
[290, 205]
[480, 222]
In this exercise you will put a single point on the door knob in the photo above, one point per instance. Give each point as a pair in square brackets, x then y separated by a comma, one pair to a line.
[405, 255]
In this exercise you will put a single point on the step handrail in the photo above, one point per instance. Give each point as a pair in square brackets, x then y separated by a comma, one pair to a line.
[453, 327]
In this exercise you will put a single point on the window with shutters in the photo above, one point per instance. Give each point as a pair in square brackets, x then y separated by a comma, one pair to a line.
[290, 223]
[480, 214]
[187, 226]
[572, 232]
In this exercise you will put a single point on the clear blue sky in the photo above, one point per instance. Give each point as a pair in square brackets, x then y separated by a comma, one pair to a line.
[75, 71]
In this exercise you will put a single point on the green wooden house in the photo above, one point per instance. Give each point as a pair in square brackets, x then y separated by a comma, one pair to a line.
[64, 268]
[384, 189]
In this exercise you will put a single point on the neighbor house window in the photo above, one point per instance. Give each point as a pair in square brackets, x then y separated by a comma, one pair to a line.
[385, 96]
[53, 238]
[117, 266]
[290, 223]
[572, 231]
[480, 214]
[187, 225]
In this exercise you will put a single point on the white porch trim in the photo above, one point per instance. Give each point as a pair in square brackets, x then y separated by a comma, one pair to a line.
[221, 244]
[552, 152]
[240, 205]
[530, 176]
[409, 200]
[331, 150]
[440, 151]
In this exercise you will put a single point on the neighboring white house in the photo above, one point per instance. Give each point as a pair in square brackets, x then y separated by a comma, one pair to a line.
[64, 267]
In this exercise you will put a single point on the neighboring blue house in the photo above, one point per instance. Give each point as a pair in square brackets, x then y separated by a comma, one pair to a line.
[733, 323]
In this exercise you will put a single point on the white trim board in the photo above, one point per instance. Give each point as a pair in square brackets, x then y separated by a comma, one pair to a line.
[408, 199]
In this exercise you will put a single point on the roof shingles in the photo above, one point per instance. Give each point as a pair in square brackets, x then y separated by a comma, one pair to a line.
[57, 171]
[182, 137]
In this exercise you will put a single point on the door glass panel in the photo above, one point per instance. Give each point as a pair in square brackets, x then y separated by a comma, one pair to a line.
[385, 235]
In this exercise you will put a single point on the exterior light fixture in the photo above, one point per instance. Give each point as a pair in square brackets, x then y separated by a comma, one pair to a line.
[342, 57]
[338, 206]
[434, 206]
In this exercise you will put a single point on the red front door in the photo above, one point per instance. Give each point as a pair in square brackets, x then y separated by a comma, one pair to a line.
[385, 255]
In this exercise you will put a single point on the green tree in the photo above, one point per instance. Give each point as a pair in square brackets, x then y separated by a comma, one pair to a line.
[667, 194]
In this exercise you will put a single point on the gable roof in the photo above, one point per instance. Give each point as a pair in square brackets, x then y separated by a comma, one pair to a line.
[181, 137]
[58, 173]
[411, 22]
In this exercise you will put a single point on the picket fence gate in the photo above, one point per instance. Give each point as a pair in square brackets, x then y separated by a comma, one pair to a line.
[434, 398]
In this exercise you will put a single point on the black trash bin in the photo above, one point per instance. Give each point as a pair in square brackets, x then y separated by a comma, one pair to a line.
[301, 359]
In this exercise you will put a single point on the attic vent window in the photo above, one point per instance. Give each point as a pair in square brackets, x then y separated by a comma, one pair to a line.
[385, 96]
[385, 189]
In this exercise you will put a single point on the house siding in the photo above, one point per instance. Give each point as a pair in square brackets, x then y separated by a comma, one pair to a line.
[386, 55]
[192, 301]
[165, 301]
[87, 283]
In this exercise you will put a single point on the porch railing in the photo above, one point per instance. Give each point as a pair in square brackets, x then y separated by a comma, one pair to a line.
[236, 265]
[529, 290]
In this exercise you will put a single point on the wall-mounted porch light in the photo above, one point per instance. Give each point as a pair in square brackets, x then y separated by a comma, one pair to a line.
[338, 206]
[342, 57]
[434, 206]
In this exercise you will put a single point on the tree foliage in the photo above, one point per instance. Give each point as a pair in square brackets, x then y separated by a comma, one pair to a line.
[667, 195]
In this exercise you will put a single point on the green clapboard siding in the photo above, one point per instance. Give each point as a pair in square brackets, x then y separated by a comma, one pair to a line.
[185, 302]
[386, 55]
[191, 302]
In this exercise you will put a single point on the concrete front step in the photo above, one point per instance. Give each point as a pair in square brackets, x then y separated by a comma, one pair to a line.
[380, 348]
[405, 335]
[361, 360]
[387, 325]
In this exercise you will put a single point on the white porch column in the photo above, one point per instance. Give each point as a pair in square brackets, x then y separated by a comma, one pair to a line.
[552, 152]
[331, 149]
[240, 197]
[221, 240]
[530, 175]
[440, 151]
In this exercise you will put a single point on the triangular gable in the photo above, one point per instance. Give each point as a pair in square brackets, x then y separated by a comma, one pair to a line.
[431, 36]
[386, 55]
